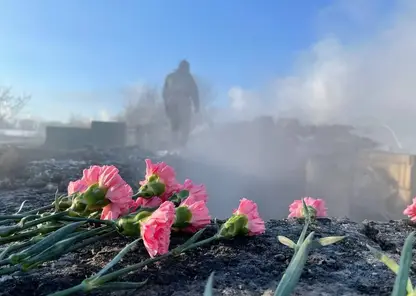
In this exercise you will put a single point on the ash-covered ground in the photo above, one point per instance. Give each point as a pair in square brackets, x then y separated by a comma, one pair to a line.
[244, 266]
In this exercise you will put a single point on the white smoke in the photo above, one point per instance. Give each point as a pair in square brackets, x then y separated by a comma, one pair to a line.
[368, 82]
[104, 115]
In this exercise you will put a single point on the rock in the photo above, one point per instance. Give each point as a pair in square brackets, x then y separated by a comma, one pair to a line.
[243, 266]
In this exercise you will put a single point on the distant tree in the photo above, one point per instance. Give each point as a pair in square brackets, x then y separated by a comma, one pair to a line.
[10, 104]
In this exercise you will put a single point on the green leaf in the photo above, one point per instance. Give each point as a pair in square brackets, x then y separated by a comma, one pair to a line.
[326, 241]
[402, 278]
[391, 264]
[286, 241]
[209, 286]
[6, 250]
[292, 274]
[28, 218]
[16, 247]
[6, 231]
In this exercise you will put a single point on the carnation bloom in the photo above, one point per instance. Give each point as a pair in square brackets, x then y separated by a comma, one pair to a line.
[155, 230]
[153, 202]
[114, 188]
[195, 216]
[249, 209]
[76, 186]
[165, 174]
[115, 210]
[410, 211]
[198, 192]
[296, 208]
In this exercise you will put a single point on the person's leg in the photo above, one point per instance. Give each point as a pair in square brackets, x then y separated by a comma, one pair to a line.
[174, 118]
[185, 125]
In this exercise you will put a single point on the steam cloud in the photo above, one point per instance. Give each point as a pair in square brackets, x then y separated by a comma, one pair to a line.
[372, 82]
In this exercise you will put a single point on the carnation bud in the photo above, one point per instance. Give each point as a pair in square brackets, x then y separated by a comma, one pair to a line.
[235, 225]
[94, 197]
[79, 207]
[177, 198]
[183, 217]
[152, 188]
[63, 203]
[130, 225]
[312, 212]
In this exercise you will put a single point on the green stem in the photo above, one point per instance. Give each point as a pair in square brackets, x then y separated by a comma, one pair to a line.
[9, 270]
[91, 220]
[302, 235]
[12, 217]
[72, 290]
[15, 248]
[113, 275]
[22, 215]
[65, 246]
[101, 235]
[44, 208]
[106, 233]
[88, 284]
[4, 221]
[44, 219]
[10, 230]
[202, 242]
[6, 261]
[20, 236]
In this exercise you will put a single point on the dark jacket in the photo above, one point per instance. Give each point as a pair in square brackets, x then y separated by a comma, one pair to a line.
[180, 86]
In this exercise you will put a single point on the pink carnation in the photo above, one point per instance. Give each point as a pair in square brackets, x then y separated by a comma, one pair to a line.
[153, 202]
[200, 213]
[249, 209]
[410, 211]
[166, 176]
[155, 230]
[76, 186]
[115, 210]
[296, 208]
[198, 192]
[118, 192]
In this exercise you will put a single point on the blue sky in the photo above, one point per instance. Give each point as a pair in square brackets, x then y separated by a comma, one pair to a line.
[75, 56]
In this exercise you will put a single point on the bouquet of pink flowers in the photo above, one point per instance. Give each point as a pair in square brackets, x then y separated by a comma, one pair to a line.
[100, 205]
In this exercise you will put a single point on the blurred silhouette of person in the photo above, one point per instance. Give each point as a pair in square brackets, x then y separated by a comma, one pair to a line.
[180, 92]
